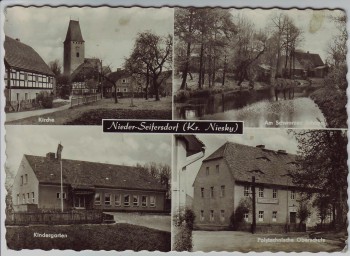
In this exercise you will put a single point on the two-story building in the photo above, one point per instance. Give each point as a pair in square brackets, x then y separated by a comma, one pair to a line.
[26, 75]
[225, 179]
[86, 185]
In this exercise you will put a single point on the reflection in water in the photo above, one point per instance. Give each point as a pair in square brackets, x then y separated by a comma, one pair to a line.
[256, 109]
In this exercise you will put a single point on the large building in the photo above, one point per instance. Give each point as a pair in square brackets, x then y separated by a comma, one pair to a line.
[26, 75]
[225, 180]
[84, 73]
[86, 185]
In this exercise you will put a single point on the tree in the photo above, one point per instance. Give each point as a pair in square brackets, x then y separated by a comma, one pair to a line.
[303, 212]
[152, 54]
[322, 166]
[56, 67]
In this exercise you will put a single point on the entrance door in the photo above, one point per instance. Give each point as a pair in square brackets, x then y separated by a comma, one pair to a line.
[293, 217]
[79, 202]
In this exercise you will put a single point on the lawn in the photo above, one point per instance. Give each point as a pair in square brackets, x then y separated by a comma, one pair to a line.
[245, 242]
[92, 114]
[119, 237]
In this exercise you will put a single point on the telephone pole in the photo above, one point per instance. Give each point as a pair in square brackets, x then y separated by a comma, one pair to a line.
[254, 209]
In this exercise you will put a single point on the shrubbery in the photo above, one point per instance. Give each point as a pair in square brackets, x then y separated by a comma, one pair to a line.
[184, 221]
[45, 99]
[237, 216]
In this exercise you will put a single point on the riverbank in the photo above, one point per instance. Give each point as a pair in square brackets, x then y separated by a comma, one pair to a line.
[333, 106]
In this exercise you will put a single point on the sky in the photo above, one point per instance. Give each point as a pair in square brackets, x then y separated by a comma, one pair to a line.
[316, 24]
[86, 143]
[274, 139]
[109, 33]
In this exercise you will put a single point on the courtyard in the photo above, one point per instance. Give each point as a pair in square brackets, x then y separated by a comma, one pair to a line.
[230, 241]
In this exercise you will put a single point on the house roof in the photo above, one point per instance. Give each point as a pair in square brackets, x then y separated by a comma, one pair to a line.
[193, 144]
[268, 166]
[309, 58]
[90, 174]
[22, 56]
[74, 32]
[86, 70]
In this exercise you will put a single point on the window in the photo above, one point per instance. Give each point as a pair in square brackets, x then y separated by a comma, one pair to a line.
[124, 89]
[26, 178]
[135, 200]
[217, 168]
[26, 96]
[23, 198]
[152, 201]
[202, 215]
[33, 200]
[246, 217]
[246, 190]
[97, 198]
[126, 200]
[274, 193]
[17, 198]
[144, 201]
[292, 194]
[107, 199]
[211, 215]
[222, 215]
[207, 171]
[124, 81]
[261, 215]
[28, 199]
[202, 192]
[58, 195]
[117, 200]
[77, 54]
[274, 216]
[222, 191]
[21, 179]
[261, 192]
[211, 192]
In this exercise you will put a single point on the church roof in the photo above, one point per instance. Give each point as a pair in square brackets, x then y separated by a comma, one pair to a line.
[89, 69]
[268, 166]
[91, 174]
[22, 56]
[74, 32]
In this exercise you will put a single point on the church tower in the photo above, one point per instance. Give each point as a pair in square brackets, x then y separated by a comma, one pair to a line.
[74, 48]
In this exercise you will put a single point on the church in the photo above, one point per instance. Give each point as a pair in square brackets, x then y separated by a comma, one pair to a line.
[84, 73]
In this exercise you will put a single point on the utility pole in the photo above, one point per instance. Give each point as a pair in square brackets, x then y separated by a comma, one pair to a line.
[253, 228]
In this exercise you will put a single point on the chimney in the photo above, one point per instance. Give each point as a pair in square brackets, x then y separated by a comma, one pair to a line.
[50, 155]
[260, 146]
[282, 152]
[59, 152]
[17, 39]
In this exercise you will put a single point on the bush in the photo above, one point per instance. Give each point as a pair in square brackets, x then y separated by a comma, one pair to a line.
[185, 217]
[45, 99]
[183, 239]
[237, 216]
[182, 95]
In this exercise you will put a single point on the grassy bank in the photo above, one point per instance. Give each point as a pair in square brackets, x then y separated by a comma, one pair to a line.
[93, 113]
[117, 237]
[332, 105]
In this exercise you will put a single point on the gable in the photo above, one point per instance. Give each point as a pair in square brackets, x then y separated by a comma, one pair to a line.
[24, 57]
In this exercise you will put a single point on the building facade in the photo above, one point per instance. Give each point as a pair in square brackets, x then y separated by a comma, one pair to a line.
[224, 181]
[26, 75]
[86, 185]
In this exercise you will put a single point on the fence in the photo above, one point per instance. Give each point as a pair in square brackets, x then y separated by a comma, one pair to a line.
[15, 106]
[85, 99]
[56, 218]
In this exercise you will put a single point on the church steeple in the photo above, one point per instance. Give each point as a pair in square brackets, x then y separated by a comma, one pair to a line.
[74, 48]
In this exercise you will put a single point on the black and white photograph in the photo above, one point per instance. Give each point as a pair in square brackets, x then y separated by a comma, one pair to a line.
[87, 64]
[267, 190]
[69, 188]
[281, 68]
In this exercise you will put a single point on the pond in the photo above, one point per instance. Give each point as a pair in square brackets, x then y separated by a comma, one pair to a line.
[256, 109]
